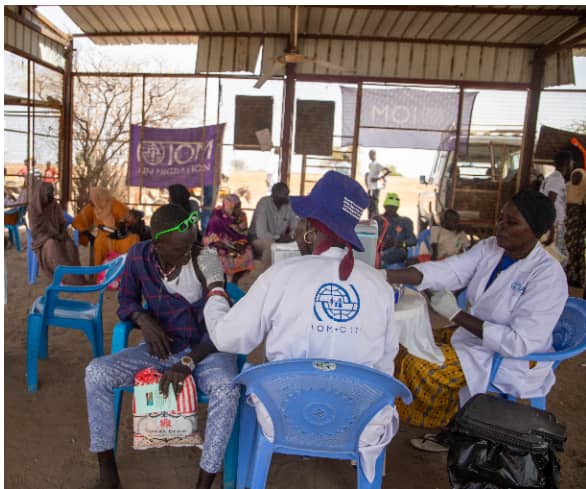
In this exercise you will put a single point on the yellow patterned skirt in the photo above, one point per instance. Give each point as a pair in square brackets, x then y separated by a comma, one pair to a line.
[434, 387]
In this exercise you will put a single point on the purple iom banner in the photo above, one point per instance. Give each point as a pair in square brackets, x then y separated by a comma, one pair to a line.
[174, 155]
[407, 118]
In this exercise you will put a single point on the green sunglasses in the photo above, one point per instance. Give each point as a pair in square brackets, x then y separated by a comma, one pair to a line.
[182, 226]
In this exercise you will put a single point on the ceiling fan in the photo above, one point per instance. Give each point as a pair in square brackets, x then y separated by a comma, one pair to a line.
[292, 54]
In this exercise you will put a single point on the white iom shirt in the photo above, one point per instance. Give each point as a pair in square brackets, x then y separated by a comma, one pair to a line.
[305, 311]
[520, 310]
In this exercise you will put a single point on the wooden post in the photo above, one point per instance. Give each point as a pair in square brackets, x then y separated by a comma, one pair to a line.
[356, 135]
[303, 172]
[530, 124]
[289, 100]
[454, 170]
[66, 169]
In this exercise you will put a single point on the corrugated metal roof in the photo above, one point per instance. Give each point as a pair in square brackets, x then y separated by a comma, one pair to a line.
[472, 43]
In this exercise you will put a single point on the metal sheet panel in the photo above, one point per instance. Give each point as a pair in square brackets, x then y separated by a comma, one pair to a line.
[22, 38]
[227, 53]
[272, 47]
[390, 61]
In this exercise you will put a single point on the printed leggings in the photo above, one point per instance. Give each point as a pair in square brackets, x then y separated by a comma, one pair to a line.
[213, 376]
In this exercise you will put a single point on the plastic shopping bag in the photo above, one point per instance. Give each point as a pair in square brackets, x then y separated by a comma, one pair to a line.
[163, 422]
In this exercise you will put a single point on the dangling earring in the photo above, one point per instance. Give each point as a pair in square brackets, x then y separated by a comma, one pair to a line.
[306, 236]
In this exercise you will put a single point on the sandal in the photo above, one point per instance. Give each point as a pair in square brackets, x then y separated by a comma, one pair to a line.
[428, 443]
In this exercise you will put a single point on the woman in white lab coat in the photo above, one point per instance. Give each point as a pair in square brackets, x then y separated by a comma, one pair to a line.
[517, 292]
[321, 305]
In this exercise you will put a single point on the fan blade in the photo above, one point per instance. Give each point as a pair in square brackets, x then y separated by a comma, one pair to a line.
[267, 76]
[328, 65]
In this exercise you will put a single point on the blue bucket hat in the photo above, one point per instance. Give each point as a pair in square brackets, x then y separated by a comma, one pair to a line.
[336, 201]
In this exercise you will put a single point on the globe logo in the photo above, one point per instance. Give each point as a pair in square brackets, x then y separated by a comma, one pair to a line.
[337, 303]
[152, 153]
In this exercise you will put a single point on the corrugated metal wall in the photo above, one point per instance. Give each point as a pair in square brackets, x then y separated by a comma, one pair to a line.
[401, 60]
[23, 39]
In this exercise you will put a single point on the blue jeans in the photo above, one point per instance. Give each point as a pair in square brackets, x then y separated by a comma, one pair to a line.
[213, 376]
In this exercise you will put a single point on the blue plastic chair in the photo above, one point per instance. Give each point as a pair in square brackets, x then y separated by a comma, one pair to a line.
[120, 341]
[318, 408]
[32, 260]
[569, 340]
[13, 233]
[53, 310]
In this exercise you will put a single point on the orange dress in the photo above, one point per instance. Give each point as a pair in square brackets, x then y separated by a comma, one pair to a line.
[86, 220]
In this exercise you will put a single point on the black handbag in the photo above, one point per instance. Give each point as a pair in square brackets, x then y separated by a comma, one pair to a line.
[497, 444]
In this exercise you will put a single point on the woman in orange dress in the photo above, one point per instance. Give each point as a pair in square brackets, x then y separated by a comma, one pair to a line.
[104, 212]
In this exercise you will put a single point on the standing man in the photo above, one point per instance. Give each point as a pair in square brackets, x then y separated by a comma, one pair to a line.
[375, 182]
[50, 174]
[273, 221]
[554, 186]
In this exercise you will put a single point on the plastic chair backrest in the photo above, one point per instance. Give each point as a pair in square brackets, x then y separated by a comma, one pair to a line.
[569, 337]
[320, 405]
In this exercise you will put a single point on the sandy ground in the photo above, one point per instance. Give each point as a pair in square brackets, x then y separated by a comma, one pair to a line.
[46, 435]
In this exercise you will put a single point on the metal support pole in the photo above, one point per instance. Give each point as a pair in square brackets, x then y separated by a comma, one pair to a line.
[356, 135]
[66, 170]
[454, 169]
[289, 100]
[530, 124]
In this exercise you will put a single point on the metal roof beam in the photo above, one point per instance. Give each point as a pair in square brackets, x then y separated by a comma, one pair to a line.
[545, 12]
[310, 36]
[561, 42]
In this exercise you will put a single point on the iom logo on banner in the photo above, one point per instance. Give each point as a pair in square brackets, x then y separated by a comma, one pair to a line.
[162, 157]
[336, 303]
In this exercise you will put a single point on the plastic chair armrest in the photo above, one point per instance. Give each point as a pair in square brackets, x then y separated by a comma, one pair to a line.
[120, 335]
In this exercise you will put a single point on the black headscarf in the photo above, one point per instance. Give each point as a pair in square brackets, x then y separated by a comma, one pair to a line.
[179, 195]
[537, 209]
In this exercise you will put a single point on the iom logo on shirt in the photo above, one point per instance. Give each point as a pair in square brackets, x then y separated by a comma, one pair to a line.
[336, 303]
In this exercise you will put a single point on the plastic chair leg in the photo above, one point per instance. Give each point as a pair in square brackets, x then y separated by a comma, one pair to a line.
[231, 455]
[33, 337]
[262, 461]
[44, 342]
[377, 481]
[16, 238]
[118, 393]
[538, 402]
[248, 427]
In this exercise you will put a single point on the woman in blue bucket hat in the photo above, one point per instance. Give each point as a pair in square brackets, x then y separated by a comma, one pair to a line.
[291, 306]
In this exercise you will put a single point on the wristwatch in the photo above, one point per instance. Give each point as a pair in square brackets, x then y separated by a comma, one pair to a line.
[188, 362]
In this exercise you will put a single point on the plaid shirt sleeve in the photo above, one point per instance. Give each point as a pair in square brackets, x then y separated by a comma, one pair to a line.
[130, 293]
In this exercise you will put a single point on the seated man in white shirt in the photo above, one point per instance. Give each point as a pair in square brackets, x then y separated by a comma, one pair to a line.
[289, 304]
[273, 221]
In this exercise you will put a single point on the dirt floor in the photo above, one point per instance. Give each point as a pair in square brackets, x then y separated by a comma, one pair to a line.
[46, 436]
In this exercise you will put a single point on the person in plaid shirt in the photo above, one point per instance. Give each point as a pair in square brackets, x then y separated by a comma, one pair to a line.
[174, 277]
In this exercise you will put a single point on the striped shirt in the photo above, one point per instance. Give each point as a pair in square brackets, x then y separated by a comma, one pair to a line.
[141, 280]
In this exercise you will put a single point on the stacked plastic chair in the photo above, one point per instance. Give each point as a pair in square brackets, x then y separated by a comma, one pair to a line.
[318, 408]
[13, 233]
[120, 341]
[569, 340]
[53, 310]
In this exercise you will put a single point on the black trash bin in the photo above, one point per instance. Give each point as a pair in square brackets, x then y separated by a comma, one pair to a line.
[497, 444]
